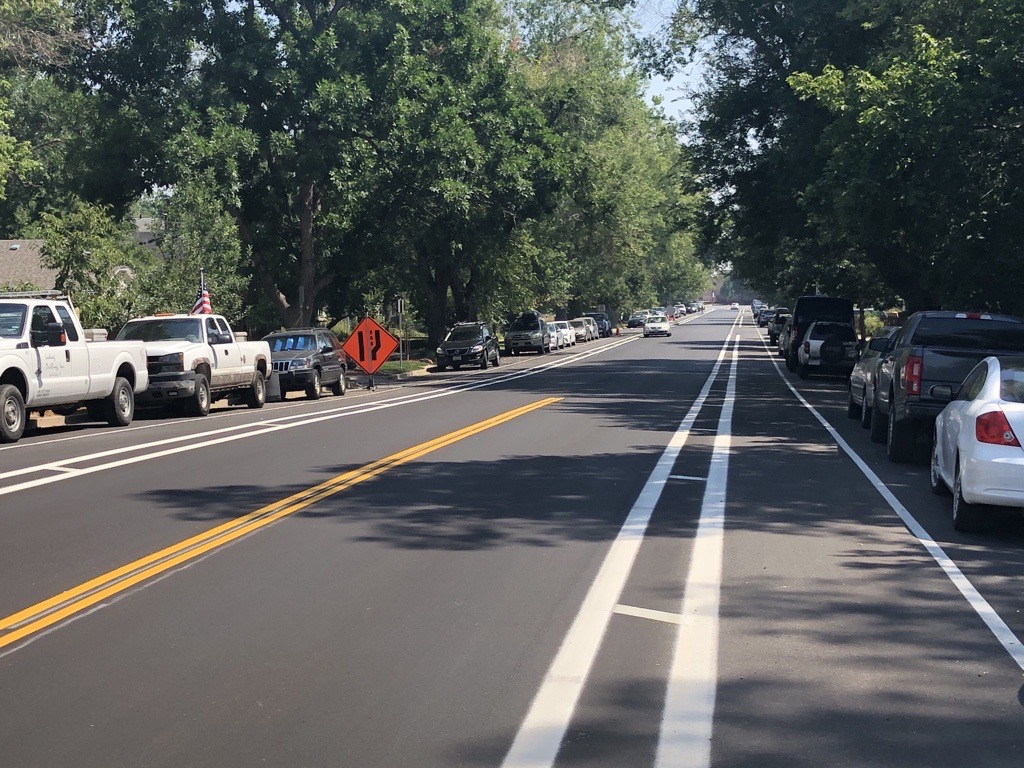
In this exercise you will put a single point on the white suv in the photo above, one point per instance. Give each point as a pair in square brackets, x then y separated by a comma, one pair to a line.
[827, 348]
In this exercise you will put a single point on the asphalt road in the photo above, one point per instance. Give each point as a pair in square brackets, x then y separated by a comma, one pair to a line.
[637, 552]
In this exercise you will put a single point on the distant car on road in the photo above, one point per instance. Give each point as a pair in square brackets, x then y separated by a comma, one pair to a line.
[307, 359]
[636, 320]
[468, 344]
[734, 305]
[976, 453]
[827, 348]
[604, 325]
[863, 375]
[657, 325]
[567, 332]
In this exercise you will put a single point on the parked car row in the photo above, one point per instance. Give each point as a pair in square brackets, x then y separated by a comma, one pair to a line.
[49, 362]
[949, 381]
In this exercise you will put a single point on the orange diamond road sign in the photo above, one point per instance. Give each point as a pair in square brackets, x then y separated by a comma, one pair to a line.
[370, 345]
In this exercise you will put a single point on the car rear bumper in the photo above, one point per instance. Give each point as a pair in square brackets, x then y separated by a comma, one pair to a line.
[994, 475]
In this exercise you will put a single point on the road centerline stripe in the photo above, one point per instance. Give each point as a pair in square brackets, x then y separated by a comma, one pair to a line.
[46, 613]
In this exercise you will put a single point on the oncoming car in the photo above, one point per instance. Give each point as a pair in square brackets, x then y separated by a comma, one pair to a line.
[657, 325]
[976, 453]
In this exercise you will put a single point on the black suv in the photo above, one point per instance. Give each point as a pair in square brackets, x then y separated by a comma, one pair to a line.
[468, 344]
[307, 359]
[811, 309]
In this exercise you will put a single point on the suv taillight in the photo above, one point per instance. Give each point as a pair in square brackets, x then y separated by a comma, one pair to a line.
[993, 428]
[912, 375]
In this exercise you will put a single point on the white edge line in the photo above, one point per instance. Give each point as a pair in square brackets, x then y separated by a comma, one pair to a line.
[981, 606]
[540, 735]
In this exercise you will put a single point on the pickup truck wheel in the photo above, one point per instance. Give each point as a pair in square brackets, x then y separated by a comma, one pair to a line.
[899, 440]
[12, 414]
[199, 404]
[338, 387]
[257, 395]
[313, 388]
[966, 517]
[119, 408]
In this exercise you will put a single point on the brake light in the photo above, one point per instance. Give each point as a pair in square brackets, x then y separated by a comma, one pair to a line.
[912, 375]
[993, 428]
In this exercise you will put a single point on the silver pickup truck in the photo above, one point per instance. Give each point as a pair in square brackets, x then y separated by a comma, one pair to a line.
[197, 359]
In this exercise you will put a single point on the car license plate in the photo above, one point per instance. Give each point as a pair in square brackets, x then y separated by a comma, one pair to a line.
[456, 358]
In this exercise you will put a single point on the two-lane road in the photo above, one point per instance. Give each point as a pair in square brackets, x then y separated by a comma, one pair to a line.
[634, 553]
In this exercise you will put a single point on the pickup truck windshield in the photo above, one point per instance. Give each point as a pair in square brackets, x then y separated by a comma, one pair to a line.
[968, 333]
[185, 328]
[12, 320]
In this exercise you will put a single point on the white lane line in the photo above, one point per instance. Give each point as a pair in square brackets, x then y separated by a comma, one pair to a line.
[688, 716]
[647, 613]
[687, 477]
[196, 442]
[1010, 642]
[542, 730]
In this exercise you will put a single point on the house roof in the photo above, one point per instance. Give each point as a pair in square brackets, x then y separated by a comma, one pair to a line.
[20, 263]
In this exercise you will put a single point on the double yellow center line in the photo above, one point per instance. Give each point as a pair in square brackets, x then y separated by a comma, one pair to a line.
[45, 614]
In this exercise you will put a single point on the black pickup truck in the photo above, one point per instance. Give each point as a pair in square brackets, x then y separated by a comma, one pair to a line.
[932, 348]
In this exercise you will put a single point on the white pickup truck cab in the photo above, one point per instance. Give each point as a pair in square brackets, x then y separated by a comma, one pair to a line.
[46, 362]
[197, 359]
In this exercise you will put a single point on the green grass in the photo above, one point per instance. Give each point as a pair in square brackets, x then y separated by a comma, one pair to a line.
[405, 366]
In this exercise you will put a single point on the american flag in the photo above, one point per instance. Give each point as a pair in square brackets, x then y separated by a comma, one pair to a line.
[202, 305]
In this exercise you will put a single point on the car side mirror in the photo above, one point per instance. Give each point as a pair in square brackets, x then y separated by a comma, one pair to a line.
[326, 349]
[55, 335]
[941, 392]
[878, 344]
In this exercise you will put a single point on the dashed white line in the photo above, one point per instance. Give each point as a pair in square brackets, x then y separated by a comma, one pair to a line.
[647, 613]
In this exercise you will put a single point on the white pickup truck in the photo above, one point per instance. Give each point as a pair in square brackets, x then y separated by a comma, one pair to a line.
[196, 359]
[46, 362]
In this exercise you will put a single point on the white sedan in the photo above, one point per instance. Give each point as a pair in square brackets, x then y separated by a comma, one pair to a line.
[567, 331]
[976, 454]
[657, 325]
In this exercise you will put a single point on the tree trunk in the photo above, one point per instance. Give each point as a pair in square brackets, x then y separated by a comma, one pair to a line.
[434, 284]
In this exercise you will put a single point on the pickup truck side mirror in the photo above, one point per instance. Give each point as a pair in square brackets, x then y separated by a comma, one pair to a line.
[220, 338]
[55, 336]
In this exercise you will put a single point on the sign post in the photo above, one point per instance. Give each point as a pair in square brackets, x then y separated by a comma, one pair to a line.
[370, 345]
